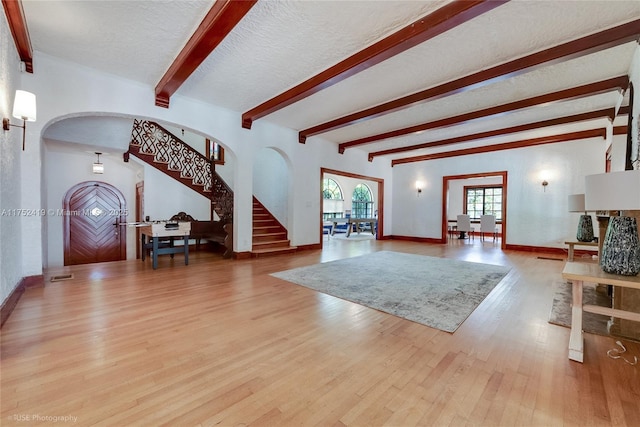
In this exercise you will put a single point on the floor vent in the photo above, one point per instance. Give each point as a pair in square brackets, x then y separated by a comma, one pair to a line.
[551, 258]
[61, 277]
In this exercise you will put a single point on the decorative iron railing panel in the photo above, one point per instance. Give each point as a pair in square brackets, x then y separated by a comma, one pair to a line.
[154, 140]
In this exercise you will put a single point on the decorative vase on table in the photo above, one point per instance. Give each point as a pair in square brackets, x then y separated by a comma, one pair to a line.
[621, 249]
[585, 229]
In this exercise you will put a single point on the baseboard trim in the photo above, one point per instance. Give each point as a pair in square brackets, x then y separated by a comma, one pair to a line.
[242, 255]
[11, 302]
[15, 295]
[34, 281]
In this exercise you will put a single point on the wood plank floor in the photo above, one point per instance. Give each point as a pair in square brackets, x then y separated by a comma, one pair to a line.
[220, 342]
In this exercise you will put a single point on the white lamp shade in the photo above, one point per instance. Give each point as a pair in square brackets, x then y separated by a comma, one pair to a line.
[98, 168]
[576, 203]
[24, 106]
[615, 191]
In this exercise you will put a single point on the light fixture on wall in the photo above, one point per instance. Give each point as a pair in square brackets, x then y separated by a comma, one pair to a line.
[617, 191]
[585, 224]
[24, 107]
[544, 176]
[97, 166]
[419, 187]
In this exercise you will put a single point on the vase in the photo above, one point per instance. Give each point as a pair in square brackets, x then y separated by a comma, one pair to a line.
[620, 249]
[585, 229]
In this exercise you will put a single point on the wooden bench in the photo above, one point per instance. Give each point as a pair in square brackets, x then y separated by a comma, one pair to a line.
[209, 231]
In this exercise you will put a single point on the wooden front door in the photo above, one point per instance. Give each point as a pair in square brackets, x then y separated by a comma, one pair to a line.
[93, 214]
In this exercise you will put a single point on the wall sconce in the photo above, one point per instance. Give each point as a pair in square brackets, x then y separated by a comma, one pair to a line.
[544, 176]
[419, 187]
[24, 107]
[97, 166]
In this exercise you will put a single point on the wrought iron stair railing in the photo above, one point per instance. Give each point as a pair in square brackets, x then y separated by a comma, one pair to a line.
[158, 147]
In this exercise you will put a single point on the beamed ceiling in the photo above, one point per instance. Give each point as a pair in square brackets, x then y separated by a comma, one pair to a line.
[402, 80]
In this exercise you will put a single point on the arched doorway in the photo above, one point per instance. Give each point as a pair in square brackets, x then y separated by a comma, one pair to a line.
[94, 213]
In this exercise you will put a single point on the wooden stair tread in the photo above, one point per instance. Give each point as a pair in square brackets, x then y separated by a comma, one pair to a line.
[269, 236]
[271, 242]
[274, 234]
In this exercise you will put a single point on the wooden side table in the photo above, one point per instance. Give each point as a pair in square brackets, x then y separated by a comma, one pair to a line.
[572, 243]
[578, 273]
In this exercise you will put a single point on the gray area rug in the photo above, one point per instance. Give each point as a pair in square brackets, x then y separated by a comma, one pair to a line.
[561, 308]
[436, 292]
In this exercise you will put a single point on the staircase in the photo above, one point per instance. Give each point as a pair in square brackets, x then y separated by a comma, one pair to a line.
[159, 148]
[269, 236]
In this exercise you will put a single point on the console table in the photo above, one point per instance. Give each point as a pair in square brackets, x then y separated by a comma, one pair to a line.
[579, 273]
[156, 231]
[573, 243]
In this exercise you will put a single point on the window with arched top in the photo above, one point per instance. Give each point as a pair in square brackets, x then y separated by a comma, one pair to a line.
[331, 189]
[362, 202]
[333, 201]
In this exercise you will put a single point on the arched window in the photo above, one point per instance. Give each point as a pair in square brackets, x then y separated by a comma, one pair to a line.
[362, 202]
[331, 189]
[332, 205]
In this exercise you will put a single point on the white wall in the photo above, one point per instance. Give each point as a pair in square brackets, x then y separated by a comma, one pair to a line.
[165, 197]
[11, 225]
[271, 183]
[536, 217]
[66, 90]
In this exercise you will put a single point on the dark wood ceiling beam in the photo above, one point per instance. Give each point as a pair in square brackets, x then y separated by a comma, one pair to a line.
[620, 130]
[438, 22]
[605, 113]
[570, 50]
[18, 26]
[562, 95]
[220, 20]
[565, 137]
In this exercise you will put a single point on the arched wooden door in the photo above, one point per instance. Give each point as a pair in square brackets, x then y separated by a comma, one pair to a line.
[93, 212]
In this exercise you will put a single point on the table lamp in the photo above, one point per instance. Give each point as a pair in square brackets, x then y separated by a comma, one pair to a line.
[585, 225]
[617, 191]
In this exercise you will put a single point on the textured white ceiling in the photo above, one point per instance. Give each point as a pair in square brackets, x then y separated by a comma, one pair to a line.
[133, 39]
[281, 43]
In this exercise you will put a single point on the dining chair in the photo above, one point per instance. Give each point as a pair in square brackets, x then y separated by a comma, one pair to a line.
[464, 225]
[488, 225]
